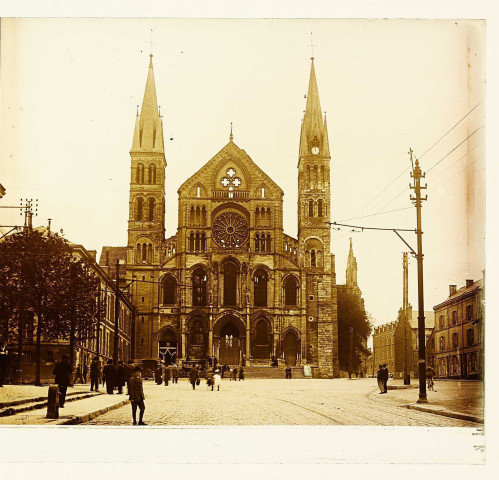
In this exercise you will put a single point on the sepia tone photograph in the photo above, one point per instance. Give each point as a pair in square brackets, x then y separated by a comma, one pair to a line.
[235, 222]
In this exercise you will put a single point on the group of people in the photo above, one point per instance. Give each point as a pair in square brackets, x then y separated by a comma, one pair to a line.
[169, 372]
[382, 377]
[213, 377]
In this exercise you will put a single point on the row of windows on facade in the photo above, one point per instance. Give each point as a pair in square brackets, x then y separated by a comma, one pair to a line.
[454, 318]
[452, 365]
[470, 340]
[288, 248]
[144, 253]
[316, 208]
[198, 216]
[316, 176]
[140, 209]
[230, 277]
[150, 177]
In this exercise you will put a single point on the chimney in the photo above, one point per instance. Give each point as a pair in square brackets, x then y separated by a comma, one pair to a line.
[452, 289]
[469, 283]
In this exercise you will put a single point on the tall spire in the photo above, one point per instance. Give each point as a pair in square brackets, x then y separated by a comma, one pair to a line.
[351, 276]
[313, 131]
[148, 135]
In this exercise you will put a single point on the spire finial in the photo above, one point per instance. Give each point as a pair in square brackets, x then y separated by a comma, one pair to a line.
[231, 137]
[150, 55]
[312, 46]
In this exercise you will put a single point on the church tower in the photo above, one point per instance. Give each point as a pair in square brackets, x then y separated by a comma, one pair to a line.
[314, 213]
[146, 221]
[351, 274]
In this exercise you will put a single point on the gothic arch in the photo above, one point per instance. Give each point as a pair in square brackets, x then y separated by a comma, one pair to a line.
[241, 171]
[230, 207]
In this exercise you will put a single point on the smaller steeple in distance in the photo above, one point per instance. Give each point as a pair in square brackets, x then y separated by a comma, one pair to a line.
[148, 133]
[313, 136]
[351, 274]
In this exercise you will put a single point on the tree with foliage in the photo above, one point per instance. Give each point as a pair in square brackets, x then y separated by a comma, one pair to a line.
[354, 328]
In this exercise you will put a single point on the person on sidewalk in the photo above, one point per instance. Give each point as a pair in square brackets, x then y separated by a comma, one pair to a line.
[216, 380]
[109, 376]
[62, 372]
[379, 377]
[84, 373]
[193, 377]
[136, 395]
[385, 378]
[167, 375]
[121, 377]
[174, 374]
[234, 374]
[241, 374]
[157, 374]
[288, 372]
[430, 373]
[94, 374]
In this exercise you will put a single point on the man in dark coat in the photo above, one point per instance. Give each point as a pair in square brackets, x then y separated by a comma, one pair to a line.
[109, 375]
[193, 376]
[157, 374]
[121, 376]
[136, 395]
[385, 378]
[62, 372]
[379, 378]
[167, 375]
[241, 374]
[174, 374]
[94, 374]
[234, 373]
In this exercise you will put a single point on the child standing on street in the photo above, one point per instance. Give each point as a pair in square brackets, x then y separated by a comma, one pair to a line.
[136, 394]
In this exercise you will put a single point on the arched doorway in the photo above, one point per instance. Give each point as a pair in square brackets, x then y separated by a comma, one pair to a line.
[261, 342]
[290, 347]
[230, 340]
[197, 338]
[167, 347]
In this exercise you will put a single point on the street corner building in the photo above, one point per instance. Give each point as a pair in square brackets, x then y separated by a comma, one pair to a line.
[230, 283]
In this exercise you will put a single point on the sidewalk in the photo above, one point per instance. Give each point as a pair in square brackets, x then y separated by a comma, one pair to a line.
[15, 394]
[72, 413]
[456, 399]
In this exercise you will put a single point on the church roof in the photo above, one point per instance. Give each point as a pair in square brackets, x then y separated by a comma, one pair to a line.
[109, 255]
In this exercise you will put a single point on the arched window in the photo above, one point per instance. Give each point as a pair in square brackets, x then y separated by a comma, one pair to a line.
[316, 176]
[144, 253]
[263, 192]
[308, 176]
[322, 175]
[268, 243]
[319, 207]
[257, 216]
[140, 208]
[198, 191]
[152, 206]
[260, 288]
[203, 217]
[149, 254]
[285, 247]
[312, 258]
[262, 242]
[257, 243]
[290, 291]
[191, 242]
[268, 216]
[198, 216]
[198, 242]
[152, 174]
[169, 290]
[140, 173]
[203, 242]
[192, 217]
[197, 332]
[310, 208]
[199, 280]
[230, 284]
[138, 257]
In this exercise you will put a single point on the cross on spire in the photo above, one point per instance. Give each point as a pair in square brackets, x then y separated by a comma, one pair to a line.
[312, 45]
[151, 42]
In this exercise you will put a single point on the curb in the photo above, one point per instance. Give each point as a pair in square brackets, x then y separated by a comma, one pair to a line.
[90, 416]
[446, 413]
[14, 411]
[34, 399]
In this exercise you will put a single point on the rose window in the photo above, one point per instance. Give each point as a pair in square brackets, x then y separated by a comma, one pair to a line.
[230, 230]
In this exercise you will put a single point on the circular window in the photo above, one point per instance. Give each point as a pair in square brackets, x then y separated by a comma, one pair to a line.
[230, 230]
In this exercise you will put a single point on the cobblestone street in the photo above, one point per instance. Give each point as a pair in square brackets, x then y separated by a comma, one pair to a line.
[279, 402]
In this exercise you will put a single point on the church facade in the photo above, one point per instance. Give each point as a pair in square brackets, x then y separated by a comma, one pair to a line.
[231, 284]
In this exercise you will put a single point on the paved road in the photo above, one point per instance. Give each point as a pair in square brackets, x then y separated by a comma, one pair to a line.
[276, 402]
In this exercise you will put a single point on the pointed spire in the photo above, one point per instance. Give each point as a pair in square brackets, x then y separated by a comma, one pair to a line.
[351, 274]
[150, 136]
[312, 132]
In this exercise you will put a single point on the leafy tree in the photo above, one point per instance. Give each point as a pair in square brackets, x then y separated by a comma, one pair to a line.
[354, 328]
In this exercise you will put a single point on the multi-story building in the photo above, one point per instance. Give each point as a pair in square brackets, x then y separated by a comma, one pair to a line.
[459, 327]
[384, 346]
[230, 283]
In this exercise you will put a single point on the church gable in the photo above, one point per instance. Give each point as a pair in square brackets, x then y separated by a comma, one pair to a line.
[230, 173]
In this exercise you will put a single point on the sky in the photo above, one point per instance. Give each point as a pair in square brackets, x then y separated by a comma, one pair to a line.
[70, 90]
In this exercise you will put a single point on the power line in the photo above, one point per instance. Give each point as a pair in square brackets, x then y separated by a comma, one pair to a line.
[374, 214]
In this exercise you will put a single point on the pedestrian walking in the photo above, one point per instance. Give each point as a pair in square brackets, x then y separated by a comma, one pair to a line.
[174, 374]
[288, 372]
[84, 373]
[216, 380]
[136, 395]
[78, 377]
[168, 375]
[94, 374]
[193, 377]
[241, 373]
[121, 377]
[430, 373]
[62, 372]
[380, 378]
[385, 378]
[109, 376]
[4, 362]
[158, 374]
[234, 374]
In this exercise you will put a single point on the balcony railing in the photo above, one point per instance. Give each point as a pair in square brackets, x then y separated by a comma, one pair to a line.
[234, 194]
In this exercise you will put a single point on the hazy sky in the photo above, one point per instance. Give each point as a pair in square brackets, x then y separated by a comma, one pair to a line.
[70, 88]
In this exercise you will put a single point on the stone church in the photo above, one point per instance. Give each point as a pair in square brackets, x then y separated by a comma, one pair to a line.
[230, 283]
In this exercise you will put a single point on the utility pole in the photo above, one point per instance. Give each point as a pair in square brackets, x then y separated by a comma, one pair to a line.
[404, 308]
[116, 313]
[97, 342]
[350, 354]
[417, 175]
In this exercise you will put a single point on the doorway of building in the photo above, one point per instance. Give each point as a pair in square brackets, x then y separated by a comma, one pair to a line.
[262, 343]
[230, 345]
[167, 347]
[290, 347]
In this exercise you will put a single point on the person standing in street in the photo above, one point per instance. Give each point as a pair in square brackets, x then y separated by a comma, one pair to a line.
[193, 377]
[234, 374]
[157, 374]
[167, 375]
[174, 374]
[62, 372]
[380, 379]
[121, 377]
[94, 374]
[241, 373]
[136, 395]
[109, 376]
[216, 380]
[385, 378]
